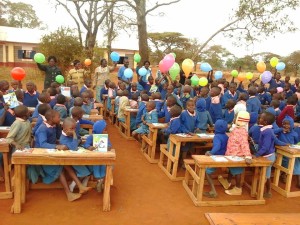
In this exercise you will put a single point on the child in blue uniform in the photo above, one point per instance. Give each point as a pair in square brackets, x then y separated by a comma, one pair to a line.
[186, 95]
[203, 114]
[229, 111]
[264, 97]
[215, 109]
[42, 109]
[30, 96]
[141, 109]
[99, 172]
[132, 88]
[44, 97]
[46, 137]
[165, 111]
[52, 92]
[87, 85]
[253, 103]
[77, 114]
[87, 105]
[104, 90]
[266, 146]
[60, 106]
[230, 94]
[219, 148]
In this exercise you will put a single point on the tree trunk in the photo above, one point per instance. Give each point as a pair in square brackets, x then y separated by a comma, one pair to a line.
[142, 30]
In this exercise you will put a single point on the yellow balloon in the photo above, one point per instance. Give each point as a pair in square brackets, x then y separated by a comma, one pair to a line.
[203, 81]
[249, 75]
[187, 66]
[261, 67]
[274, 61]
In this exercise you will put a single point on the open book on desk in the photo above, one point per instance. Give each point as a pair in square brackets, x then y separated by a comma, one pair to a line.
[204, 135]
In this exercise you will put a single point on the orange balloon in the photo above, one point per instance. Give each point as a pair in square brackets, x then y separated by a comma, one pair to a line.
[187, 66]
[241, 77]
[261, 67]
[87, 62]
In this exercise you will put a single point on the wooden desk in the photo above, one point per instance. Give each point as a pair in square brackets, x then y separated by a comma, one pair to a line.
[126, 126]
[4, 149]
[4, 131]
[172, 159]
[100, 106]
[202, 162]
[42, 157]
[291, 154]
[149, 141]
[252, 218]
[112, 114]
[105, 111]
[93, 118]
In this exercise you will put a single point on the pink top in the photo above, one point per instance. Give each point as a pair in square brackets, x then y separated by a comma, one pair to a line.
[238, 144]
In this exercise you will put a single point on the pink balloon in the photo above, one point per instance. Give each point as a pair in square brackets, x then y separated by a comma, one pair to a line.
[161, 66]
[279, 89]
[168, 61]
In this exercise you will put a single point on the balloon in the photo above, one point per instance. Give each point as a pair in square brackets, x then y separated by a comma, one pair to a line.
[174, 55]
[59, 79]
[39, 58]
[87, 62]
[234, 73]
[249, 75]
[161, 67]
[174, 71]
[274, 61]
[280, 66]
[279, 89]
[266, 77]
[218, 75]
[203, 81]
[168, 61]
[187, 66]
[261, 67]
[195, 80]
[115, 57]
[18, 73]
[137, 58]
[142, 71]
[205, 67]
[128, 73]
[241, 77]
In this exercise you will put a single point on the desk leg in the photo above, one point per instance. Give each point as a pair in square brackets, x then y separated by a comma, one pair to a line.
[16, 208]
[261, 185]
[170, 153]
[127, 131]
[23, 183]
[152, 148]
[290, 174]
[6, 172]
[175, 164]
[201, 184]
[106, 194]
[278, 162]
[254, 181]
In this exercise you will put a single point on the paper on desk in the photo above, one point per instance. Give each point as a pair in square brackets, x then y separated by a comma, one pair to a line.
[86, 116]
[295, 146]
[158, 124]
[204, 135]
[235, 158]
[218, 158]
[184, 135]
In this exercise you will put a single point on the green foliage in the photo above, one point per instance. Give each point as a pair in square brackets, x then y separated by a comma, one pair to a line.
[63, 44]
[216, 56]
[293, 62]
[18, 14]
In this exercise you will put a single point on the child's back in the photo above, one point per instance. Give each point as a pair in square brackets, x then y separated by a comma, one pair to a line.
[204, 116]
[220, 139]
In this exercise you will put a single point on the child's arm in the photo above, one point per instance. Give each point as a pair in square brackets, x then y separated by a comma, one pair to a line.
[82, 121]
[216, 146]
[210, 121]
[89, 143]
[14, 130]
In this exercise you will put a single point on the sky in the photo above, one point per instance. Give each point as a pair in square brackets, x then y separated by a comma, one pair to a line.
[193, 18]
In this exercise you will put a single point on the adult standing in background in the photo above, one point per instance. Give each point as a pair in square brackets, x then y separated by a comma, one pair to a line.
[102, 74]
[77, 74]
[51, 71]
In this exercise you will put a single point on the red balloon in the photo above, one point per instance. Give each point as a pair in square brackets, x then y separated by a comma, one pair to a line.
[18, 73]
[161, 66]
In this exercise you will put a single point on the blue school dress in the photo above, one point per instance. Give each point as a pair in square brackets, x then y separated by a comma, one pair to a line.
[150, 117]
[227, 95]
[204, 116]
[141, 111]
[253, 105]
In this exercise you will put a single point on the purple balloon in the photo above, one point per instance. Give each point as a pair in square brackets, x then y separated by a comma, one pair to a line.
[266, 77]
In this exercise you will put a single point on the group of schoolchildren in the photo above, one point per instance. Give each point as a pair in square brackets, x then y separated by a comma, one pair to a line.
[247, 123]
[57, 119]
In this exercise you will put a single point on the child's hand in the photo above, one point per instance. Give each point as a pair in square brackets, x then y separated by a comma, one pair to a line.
[145, 122]
[248, 161]
[61, 147]
[92, 148]
[208, 153]
[197, 130]
[19, 147]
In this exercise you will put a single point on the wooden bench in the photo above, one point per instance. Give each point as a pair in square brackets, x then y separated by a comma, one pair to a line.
[197, 175]
[149, 141]
[105, 110]
[172, 156]
[112, 115]
[252, 218]
[93, 118]
[124, 128]
[99, 107]
[291, 154]
[89, 127]
[4, 149]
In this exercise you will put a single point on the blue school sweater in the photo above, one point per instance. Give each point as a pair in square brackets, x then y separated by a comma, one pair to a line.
[204, 116]
[215, 111]
[52, 102]
[266, 143]
[288, 94]
[282, 105]
[62, 110]
[163, 92]
[158, 104]
[265, 98]
[145, 86]
[254, 133]
[184, 100]
[228, 116]
[174, 127]
[189, 122]
[165, 112]
[83, 89]
[9, 118]
[141, 111]
[290, 137]
[227, 95]
[45, 137]
[253, 105]
[30, 100]
[87, 108]
[37, 124]
[208, 102]
[273, 84]
[35, 113]
[220, 139]
[71, 143]
[103, 91]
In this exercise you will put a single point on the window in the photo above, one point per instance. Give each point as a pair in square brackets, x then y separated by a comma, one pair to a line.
[25, 54]
[122, 59]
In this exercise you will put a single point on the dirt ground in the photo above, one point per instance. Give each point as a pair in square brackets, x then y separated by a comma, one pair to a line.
[141, 194]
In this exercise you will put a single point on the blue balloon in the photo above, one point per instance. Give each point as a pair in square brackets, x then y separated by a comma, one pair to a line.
[280, 66]
[115, 57]
[218, 75]
[142, 71]
[128, 73]
[205, 67]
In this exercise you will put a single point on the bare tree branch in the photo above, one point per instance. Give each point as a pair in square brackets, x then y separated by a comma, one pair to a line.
[159, 5]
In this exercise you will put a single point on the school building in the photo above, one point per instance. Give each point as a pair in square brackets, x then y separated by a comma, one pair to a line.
[18, 46]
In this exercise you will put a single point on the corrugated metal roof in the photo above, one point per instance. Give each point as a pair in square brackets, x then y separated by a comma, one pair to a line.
[21, 35]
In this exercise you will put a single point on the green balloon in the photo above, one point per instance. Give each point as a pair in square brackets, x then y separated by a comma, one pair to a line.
[60, 79]
[173, 55]
[195, 80]
[39, 58]
[137, 58]
[174, 71]
[234, 73]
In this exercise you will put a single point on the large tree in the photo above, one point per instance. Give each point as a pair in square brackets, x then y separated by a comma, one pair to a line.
[254, 20]
[88, 16]
[141, 10]
[293, 62]
[18, 14]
